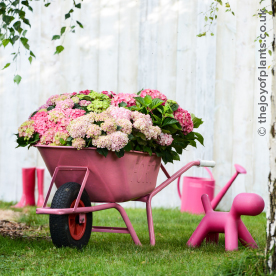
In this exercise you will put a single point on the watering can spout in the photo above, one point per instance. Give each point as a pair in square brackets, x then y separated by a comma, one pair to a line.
[239, 168]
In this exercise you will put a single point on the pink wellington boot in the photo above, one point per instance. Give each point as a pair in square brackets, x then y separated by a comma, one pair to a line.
[40, 184]
[28, 182]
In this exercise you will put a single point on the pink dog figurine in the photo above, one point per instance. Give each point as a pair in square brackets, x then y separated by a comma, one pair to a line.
[229, 223]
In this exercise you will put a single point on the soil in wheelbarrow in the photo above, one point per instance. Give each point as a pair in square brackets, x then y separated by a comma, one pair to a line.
[10, 227]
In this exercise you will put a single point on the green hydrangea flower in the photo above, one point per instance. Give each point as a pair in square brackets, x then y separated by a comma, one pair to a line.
[99, 106]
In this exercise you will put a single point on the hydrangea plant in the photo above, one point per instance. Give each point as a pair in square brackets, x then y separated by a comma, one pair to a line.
[146, 121]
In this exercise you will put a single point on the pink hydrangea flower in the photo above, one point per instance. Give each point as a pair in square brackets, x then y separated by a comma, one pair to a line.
[52, 100]
[78, 143]
[119, 112]
[68, 103]
[125, 124]
[102, 142]
[41, 122]
[118, 140]
[109, 126]
[74, 113]
[56, 115]
[93, 131]
[127, 98]
[85, 92]
[79, 126]
[110, 94]
[185, 120]
[165, 139]
[84, 103]
[154, 94]
[47, 137]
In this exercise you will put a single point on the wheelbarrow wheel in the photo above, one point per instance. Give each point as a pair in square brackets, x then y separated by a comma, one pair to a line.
[65, 229]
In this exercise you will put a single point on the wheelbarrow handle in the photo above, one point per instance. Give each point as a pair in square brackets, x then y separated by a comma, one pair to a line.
[207, 163]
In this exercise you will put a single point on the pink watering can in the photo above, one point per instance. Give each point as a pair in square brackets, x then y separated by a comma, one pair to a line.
[194, 187]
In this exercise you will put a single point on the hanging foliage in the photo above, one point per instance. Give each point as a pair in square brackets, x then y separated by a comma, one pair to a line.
[14, 27]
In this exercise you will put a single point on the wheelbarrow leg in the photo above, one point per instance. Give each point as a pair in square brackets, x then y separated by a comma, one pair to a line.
[150, 222]
[128, 224]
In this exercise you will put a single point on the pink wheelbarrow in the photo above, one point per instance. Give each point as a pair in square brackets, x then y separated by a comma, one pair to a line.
[84, 176]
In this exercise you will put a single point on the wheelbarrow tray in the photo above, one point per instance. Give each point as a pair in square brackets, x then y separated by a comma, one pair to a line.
[111, 179]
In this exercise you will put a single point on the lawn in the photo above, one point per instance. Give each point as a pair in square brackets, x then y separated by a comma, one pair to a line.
[116, 254]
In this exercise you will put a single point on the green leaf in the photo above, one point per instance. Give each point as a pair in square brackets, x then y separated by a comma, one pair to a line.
[32, 54]
[24, 33]
[193, 143]
[26, 21]
[141, 141]
[15, 3]
[62, 141]
[140, 100]
[17, 79]
[270, 53]
[30, 59]
[62, 30]
[78, 6]
[67, 15]
[103, 152]
[5, 42]
[196, 121]
[155, 103]
[7, 19]
[50, 107]
[175, 156]
[120, 153]
[47, 5]
[200, 138]
[122, 104]
[17, 25]
[147, 149]
[55, 37]
[169, 121]
[24, 41]
[14, 39]
[6, 66]
[25, 3]
[79, 24]
[59, 49]
[148, 100]
[130, 136]
[174, 107]
[128, 147]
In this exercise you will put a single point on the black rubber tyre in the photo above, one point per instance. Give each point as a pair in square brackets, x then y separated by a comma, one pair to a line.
[59, 224]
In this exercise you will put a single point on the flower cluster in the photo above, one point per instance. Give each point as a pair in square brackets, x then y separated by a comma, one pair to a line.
[89, 118]
[127, 98]
[26, 130]
[143, 123]
[165, 139]
[185, 120]
[154, 94]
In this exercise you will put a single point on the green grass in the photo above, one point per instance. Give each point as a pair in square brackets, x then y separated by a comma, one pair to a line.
[116, 254]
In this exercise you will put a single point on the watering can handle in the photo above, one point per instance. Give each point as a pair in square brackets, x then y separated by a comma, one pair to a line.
[178, 181]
